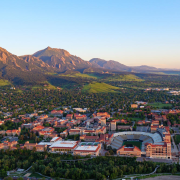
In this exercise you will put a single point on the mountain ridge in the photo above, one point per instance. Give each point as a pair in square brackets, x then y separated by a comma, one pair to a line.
[47, 62]
[61, 59]
[111, 64]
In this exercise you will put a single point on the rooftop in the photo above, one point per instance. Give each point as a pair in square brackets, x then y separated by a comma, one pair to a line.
[87, 148]
[61, 144]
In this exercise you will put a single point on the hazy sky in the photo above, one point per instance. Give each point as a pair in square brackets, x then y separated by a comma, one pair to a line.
[133, 32]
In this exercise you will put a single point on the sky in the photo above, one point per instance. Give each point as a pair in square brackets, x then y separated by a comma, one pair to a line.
[132, 32]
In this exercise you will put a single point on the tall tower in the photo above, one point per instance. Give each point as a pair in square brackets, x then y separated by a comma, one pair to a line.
[113, 125]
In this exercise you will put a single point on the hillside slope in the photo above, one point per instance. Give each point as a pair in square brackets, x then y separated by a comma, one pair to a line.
[96, 87]
[21, 70]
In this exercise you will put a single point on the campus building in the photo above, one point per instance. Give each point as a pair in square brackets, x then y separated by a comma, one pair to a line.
[159, 150]
[63, 146]
[102, 114]
[8, 145]
[129, 151]
[88, 148]
[113, 125]
[38, 147]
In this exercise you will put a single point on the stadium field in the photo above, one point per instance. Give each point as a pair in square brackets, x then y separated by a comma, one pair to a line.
[135, 143]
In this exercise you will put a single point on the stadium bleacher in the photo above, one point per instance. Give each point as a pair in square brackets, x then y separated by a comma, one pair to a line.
[145, 137]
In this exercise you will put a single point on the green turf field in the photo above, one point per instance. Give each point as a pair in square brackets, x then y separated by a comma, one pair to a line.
[159, 105]
[135, 143]
[177, 139]
[4, 82]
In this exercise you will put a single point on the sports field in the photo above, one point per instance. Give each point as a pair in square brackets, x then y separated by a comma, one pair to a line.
[159, 105]
[135, 143]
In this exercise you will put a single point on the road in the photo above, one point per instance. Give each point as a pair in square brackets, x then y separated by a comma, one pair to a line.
[176, 130]
[168, 161]
[174, 149]
[135, 175]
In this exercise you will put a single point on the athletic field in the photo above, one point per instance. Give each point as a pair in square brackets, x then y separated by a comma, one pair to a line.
[135, 143]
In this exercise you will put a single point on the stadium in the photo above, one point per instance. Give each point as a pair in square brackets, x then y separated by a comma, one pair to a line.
[134, 138]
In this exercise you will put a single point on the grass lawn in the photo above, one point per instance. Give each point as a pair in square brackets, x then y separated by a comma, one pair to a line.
[19, 91]
[79, 75]
[99, 88]
[177, 139]
[135, 143]
[151, 176]
[4, 82]
[135, 118]
[36, 87]
[128, 77]
[95, 76]
[36, 175]
[159, 105]
[51, 73]
[49, 86]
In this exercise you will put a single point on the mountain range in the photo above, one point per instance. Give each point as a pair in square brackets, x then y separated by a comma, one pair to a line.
[52, 60]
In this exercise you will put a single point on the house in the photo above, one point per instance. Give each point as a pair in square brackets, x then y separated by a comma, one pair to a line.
[8, 145]
[92, 132]
[157, 117]
[154, 128]
[69, 116]
[134, 106]
[102, 114]
[56, 139]
[89, 138]
[80, 117]
[57, 112]
[1, 122]
[50, 135]
[101, 130]
[27, 126]
[142, 122]
[2, 132]
[37, 128]
[176, 111]
[80, 110]
[64, 134]
[105, 138]
[155, 123]
[141, 102]
[168, 123]
[13, 132]
[44, 131]
[164, 118]
[41, 148]
[30, 146]
[123, 121]
[75, 131]
[42, 117]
